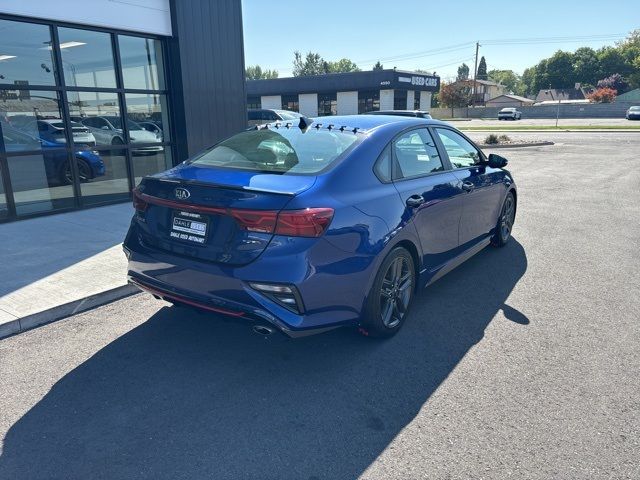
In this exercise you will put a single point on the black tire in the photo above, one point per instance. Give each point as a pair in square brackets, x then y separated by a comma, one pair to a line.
[391, 295]
[505, 222]
[117, 141]
[84, 171]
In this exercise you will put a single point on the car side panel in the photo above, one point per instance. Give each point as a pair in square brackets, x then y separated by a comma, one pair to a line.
[482, 204]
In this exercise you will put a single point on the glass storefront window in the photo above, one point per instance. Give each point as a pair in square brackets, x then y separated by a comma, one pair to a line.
[41, 172]
[290, 102]
[31, 120]
[148, 113]
[103, 176]
[26, 56]
[4, 210]
[368, 101]
[39, 181]
[148, 163]
[99, 113]
[327, 104]
[400, 100]
[142, 66]
[87, 58]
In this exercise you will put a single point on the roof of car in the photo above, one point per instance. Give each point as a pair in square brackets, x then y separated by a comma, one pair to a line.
[370, 122]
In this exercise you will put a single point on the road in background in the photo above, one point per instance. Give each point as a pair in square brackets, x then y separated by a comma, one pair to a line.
[563, 122]
[522, 363]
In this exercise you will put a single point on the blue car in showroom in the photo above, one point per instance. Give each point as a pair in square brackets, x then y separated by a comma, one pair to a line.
[310, 225]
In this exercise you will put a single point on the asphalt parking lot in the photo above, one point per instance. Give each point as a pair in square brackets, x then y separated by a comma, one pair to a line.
[522, 363]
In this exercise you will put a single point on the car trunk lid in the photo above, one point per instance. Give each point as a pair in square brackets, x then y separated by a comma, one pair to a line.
[213, 214]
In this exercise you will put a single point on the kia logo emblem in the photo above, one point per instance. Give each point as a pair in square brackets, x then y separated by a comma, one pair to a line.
[181, 193]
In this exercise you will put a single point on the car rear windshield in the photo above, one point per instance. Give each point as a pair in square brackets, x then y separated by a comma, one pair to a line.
[635, 109]
[282, 150]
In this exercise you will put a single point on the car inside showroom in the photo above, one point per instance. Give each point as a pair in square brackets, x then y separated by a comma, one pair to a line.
[88, 107]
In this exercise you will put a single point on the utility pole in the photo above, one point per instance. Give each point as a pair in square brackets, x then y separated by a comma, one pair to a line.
[475, 74]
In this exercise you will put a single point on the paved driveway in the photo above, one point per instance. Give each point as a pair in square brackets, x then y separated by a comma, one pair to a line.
[522, 363]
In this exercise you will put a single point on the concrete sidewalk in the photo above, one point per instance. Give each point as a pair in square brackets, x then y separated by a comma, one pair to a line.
[54, 266]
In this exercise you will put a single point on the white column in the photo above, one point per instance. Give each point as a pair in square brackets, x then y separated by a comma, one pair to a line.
[386, 99]
[347, 103]
[425, 101]
[271, 101]
[410, 99]
[308, 104]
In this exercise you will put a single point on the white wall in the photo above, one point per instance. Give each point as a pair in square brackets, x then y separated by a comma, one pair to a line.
[347, 103]
[308, 104]
[147, 16]
[425, 101]
[411, 96]
[386, 99]
[271, 101]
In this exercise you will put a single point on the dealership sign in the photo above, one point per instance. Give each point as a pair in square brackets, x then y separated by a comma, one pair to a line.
[419, 81]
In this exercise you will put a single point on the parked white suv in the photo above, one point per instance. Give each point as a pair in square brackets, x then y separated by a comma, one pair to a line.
[509, 113]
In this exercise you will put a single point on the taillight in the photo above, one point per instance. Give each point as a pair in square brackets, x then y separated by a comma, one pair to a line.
[138, 203]
[310, 222]
[263, 221]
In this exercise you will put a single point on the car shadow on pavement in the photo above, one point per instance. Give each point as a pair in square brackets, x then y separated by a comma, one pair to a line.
[185, 395]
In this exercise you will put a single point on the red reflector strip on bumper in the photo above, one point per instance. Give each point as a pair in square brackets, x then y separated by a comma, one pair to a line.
[178, 298]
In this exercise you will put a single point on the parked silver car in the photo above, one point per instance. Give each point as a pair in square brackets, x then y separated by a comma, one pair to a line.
[108, 131]
[509, 113]
[260, 116]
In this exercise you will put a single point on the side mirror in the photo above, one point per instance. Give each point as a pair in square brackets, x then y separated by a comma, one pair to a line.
[496, 161]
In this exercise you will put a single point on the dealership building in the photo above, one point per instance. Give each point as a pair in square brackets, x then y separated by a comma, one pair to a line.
[95, 95]
[345, 93]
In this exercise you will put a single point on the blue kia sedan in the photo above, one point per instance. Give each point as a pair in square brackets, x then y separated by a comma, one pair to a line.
[310, 225]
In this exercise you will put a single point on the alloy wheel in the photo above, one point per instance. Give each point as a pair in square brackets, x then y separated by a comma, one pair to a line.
[508, 217]
[395, 293]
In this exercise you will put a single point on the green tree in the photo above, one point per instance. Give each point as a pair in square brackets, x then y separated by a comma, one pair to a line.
[586, 66]
[256, 73]
[314, 64]
[528, 81]
[454, 95]
[509, 79]
[311, 64]
[343, 65]
[559, 70]
[378, 66]
[463, 72]
[481, 74]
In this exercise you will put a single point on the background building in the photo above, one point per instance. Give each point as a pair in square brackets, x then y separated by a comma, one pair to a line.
[345, 93]
[509, 100]
[95, 95]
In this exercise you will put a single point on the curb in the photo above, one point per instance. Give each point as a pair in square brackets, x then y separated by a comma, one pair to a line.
[515, 145]
[60, 312]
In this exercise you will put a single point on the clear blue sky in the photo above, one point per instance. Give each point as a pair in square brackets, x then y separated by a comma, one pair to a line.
[365, 31]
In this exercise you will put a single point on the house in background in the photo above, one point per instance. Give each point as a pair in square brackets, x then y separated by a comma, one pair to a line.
[562, 94]
[485, 90]
[508, 100]
[630, 96]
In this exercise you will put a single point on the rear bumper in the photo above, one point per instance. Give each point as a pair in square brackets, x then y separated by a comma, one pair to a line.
[223, 307]
[330, 298]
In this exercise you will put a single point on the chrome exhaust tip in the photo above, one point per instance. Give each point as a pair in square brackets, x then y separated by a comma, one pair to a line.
[262, 330]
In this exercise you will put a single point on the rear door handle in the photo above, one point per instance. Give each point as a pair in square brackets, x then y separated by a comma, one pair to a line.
[415, 201]
[467, 186]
